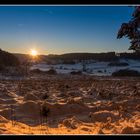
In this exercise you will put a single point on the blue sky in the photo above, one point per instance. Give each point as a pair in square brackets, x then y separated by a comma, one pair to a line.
[63, 29]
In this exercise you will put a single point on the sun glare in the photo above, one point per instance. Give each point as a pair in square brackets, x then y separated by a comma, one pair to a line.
[34, 52]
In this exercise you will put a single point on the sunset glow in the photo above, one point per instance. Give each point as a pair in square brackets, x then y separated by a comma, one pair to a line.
[34, 52]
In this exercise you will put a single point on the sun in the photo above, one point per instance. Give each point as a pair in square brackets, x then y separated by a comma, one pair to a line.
[34, 52]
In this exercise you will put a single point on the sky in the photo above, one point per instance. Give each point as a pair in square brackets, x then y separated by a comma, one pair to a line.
[63, 29]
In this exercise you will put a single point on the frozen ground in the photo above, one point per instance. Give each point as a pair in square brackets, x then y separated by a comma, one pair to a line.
[79, 104]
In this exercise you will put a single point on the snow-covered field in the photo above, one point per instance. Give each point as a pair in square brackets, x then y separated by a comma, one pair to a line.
[70, 104]
[93, 68]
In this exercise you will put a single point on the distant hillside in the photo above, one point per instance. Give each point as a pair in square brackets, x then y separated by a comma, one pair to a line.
[109, 56]
[26, 57]
[85, 56]
[135, 56]
[8, 59]
[70, 56]
[21, 57]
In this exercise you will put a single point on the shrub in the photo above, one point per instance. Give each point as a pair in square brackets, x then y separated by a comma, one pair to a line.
[36, 71]
[44, 110]
[126, 72]
[45, 96]
[68, 62]
[2, 68]
[51, 71]
[76, 72]
[100, 71]
[67, 86]
[118, 64]
[8, 59]
[61, 67]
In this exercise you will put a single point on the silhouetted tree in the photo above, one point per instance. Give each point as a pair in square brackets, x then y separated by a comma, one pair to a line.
[84, 65]
[131, 30]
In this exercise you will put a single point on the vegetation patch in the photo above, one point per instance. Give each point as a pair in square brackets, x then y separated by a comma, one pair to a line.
[76, 72]
[126, 72]
[51, 71]
[38, 71]
[118, 64]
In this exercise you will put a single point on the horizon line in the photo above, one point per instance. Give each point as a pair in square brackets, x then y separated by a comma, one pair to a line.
[74, 53]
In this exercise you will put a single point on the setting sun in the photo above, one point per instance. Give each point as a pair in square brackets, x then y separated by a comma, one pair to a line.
[34, 52]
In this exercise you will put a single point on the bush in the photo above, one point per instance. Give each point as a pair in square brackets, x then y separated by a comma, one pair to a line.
[118, 64]
[8, 59]
[44, 110]
[13, 71]
[45, 96]
[2, 68]
[126, 72]
[100, 71]
[38, 71]
[76, 72]
[61, 67]
[67, 86]
[51, 71]
[68, 62]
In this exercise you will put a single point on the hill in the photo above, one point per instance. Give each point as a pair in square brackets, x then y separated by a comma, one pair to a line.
[8, 59]
[69, 57]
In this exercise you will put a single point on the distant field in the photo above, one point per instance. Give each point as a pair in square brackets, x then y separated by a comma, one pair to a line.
[93, 68]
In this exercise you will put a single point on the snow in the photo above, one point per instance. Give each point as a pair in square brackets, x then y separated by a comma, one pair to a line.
[93, 68]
